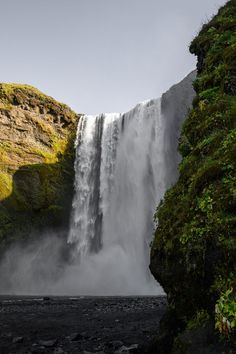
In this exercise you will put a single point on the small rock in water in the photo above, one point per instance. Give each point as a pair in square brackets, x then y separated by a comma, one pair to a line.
[17, 340]
[48, 343]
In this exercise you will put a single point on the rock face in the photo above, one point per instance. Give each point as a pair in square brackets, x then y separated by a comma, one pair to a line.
[193, 253]
[36, 161]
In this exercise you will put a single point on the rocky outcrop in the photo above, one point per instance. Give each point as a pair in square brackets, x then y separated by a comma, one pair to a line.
[36, 161]
[193, 253]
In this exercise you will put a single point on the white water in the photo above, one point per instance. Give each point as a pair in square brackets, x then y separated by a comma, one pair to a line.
[115, 199]
[124, 163]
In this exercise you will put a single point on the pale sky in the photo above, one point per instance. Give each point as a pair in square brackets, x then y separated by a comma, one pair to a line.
[100, 55]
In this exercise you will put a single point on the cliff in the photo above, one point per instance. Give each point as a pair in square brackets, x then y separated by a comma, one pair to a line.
[194, 248]
[36, 162]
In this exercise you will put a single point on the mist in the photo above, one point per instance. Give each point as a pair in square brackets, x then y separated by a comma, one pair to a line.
[44, 267]
[121, 175]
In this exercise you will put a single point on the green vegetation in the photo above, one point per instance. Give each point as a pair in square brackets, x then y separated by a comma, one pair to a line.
[5, 185]
[225, 311]
[36, 162]
[194, 249]
[23, 95]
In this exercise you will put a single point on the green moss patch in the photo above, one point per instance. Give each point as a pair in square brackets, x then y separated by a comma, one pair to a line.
[36, 162]
[193, 252]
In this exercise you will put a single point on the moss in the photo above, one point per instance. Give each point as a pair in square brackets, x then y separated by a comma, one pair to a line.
[36, 166]
[18, 95]
[41, 198]
[225, 313]
[5, 185]
[58, 149]
[193, 252]
[199, 320]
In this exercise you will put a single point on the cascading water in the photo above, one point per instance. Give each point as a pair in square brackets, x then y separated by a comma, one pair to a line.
[124, 164]
[119, 180]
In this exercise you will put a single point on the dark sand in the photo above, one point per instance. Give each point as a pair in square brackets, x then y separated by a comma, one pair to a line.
[78, 325]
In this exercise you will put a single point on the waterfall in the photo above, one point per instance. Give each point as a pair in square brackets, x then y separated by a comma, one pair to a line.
[94, 166]
[124, 164]
[119, 179]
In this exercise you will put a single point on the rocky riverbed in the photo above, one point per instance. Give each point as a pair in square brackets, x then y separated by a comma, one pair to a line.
[60, 325]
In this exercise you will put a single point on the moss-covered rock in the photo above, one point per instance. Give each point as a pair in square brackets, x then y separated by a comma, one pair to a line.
[193, 254]
[36, 161]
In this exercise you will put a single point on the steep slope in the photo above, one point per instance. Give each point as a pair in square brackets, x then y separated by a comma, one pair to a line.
[36, 161]
[193, 255]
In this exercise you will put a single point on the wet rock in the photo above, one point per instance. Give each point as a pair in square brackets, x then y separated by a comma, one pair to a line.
[86, 352]
[17, 340]
[68, 324]
[74, 337]
[6, 335]
[114, 344]
[46, 298]
[98, 349]
[37, 350]
[59, 351]
[127, 350]
[48, 343]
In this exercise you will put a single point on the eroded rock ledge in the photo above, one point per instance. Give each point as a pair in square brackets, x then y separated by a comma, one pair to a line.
[36, 161]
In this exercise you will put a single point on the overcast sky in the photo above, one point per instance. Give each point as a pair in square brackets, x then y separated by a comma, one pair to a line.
[100, 55]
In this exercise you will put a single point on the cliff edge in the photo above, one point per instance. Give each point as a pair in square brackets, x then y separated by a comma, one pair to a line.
[36, 162]
[193, 254]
